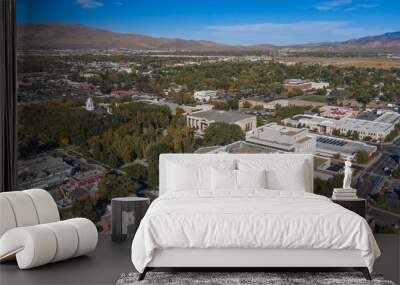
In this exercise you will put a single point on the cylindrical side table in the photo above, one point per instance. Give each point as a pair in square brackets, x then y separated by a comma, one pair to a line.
[126, 214]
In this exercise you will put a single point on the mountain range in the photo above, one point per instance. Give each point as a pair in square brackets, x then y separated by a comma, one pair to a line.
[76, 36]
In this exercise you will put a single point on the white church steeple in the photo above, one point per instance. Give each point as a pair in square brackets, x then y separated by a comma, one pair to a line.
[89, 104]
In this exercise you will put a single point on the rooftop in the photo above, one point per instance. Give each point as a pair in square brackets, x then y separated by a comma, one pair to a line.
[358, 124]
[375, 126]
[237, 147]
[88, 174]
[313, 118]
[283, 129]
[388, 117]
[342, 145]
[221, 116]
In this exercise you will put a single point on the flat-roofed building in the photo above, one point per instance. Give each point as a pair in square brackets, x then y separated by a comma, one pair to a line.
[43, 171]
[244, 147]
[342, 148]
[319, 85]
[305, 121]
[376, 130]
[290, 84]
[272, 105]
[304, 84]
[283, 138]
[201, 120]
[205, 95]
[389, 117]
[88, 177]
[238, 147]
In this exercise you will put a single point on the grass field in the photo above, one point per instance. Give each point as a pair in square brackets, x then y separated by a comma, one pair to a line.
[314, 98]
[363, 62]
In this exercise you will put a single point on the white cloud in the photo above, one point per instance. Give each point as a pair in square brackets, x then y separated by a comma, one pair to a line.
[89, 4]
[362, 6]
[329, 5]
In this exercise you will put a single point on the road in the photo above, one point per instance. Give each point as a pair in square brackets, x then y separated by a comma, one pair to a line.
[371, 180]
[383, 216]
[383, 161]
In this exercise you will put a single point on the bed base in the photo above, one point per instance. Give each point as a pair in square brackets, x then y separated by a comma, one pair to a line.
[250, 259]
[363, 270]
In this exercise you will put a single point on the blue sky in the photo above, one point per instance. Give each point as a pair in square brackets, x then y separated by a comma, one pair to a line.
[278, 22]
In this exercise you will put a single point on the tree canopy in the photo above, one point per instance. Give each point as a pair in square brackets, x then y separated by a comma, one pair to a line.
[222, 134]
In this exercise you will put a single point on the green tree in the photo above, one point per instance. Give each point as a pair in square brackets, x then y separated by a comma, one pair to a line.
[222, 134]
[84, 208]
[289, 111]
[336, 132]
[396, 173]
[246, 104]
[321, 92]
[362, 157]
[260, 121]
[325, 187]
[179, 112]
[393, 134]
[221, 106]
[233, 104]
[355, 135]
[116, 186]
[137, 171]
[295, 92]
[258, 108]
[152, 155]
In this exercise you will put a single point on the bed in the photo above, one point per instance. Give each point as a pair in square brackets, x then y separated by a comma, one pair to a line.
[245, 211]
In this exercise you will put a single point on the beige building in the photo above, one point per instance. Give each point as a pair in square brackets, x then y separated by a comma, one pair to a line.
[283, 138]
[377, 130]
[201, 120]
[266, 105]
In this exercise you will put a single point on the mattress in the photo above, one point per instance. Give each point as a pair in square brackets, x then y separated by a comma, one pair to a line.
[250, 219]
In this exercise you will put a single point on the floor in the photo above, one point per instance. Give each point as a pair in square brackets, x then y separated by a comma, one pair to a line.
[104, 266]
[110, 260]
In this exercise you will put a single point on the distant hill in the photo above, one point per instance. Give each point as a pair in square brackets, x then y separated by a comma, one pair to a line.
[76, 36]
[388, 42]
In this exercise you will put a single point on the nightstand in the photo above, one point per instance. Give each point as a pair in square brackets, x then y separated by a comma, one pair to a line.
[358, 206]
[126, 214]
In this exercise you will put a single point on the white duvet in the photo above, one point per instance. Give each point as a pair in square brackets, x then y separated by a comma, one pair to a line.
[250, 219]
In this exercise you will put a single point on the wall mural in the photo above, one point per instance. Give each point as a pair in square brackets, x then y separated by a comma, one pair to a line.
[104, 87]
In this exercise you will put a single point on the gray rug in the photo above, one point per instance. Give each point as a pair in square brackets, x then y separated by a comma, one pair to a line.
[243, 278]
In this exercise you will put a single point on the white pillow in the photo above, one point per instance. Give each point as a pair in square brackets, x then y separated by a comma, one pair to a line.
[282, 174]
[291, 178]
[251, 178]
[193, 175]
[182, 177]
[223, 179]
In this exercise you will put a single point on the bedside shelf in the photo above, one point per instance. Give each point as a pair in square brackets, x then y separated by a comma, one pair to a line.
[358, 206]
